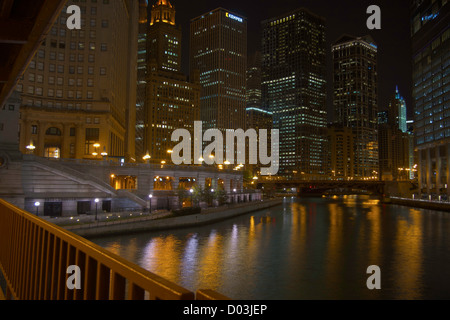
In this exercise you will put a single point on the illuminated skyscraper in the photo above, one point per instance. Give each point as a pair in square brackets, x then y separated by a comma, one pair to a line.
[431, 86]
[164, 37]
[401, 117]
[294, 89]
[172, 101]
[394, 141]
[254, 98]
[356, 98]
[219, 51]
[142, 62]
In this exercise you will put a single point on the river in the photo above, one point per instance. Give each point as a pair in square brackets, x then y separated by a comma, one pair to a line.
[316, 248]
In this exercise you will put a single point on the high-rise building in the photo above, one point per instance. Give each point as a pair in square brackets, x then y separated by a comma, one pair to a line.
[401, 116]
[341, 161]
[254, 98]
[356, 98]
[172, 101]
[218, 49]
[258, 119]
[79, 91]
[164, 37]
[394, 141]
[294, 89]
[141, 87]
[430, 32]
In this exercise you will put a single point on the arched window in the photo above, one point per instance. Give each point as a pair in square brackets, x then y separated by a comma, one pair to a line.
[53, 132]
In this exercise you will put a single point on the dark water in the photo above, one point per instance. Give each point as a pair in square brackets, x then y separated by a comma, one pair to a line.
[304, 249]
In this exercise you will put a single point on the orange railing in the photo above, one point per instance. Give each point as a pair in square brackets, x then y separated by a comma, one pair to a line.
[35, 256]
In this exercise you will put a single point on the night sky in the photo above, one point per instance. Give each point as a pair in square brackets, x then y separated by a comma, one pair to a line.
[342, 16]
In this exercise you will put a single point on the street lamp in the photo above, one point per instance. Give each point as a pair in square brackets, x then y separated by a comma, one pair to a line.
[150, 197]
[31, 147]
[96, 202]
[192, 192]
[104, 153]
[37, 204]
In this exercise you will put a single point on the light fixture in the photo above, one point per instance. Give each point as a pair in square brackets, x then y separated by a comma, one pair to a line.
[31, 146]
[146, 157]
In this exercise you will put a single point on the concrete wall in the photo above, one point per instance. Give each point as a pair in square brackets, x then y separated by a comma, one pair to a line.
[206, 217]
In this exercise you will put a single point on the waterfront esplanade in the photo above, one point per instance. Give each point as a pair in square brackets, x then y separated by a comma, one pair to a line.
[66, 187]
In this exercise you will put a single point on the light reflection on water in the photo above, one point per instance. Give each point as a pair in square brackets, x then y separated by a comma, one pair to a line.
[309, 249]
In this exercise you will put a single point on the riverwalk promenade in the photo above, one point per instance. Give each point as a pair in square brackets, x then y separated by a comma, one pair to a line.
[133, 222]
[419, 203]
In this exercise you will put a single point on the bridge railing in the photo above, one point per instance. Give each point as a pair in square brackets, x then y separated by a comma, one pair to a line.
[35, 256]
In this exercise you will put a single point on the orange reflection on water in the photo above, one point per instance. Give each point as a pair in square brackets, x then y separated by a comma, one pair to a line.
[334, 246]
[408, 247]
[162, 257]
[211, 262]
[374, 234]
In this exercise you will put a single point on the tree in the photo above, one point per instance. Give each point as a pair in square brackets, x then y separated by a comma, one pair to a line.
[181, 194]
[221, 196]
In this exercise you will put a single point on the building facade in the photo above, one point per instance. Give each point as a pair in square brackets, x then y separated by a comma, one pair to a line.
[80, 88]
[356, 98]
[218, 49]
[141, 86]
[254, 95]
[341, 155]
[430, 32]
[294, 89]
[394, 141]
[258, 119]
[173, 101]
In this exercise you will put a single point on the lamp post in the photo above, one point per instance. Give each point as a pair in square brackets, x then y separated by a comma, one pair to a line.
[96, 202]
[104, 153]
[192, 192]
[150, 196]
[147, 158]
[31, 147]
[37, 204]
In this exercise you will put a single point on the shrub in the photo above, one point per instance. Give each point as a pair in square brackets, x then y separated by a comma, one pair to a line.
[187, 211]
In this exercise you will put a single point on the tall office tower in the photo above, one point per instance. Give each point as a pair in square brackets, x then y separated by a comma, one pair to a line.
[431, 60]
[399, 104]
[172, 102]
[164, 37]
[218, 49]
[254, 98]
[258, 119]
[141, 93]
[356, 98]
[394, 141]
[79, 91]
[294, 89]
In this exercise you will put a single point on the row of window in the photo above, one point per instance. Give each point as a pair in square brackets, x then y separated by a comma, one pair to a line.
[59, 93]
[52, 68]
[58, 105]
[59, 81]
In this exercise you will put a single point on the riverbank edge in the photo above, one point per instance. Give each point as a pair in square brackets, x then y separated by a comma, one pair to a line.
[213, 216]
[438, 206]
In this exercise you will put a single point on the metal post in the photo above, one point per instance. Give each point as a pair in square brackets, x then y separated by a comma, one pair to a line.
[96, 202]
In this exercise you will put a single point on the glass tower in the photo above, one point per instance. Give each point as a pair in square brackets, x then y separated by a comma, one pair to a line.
[294, 90]
[430, 31]
[356, 98]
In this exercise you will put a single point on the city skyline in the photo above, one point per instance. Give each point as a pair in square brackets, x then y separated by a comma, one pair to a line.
[393, 39]
[108, 191]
